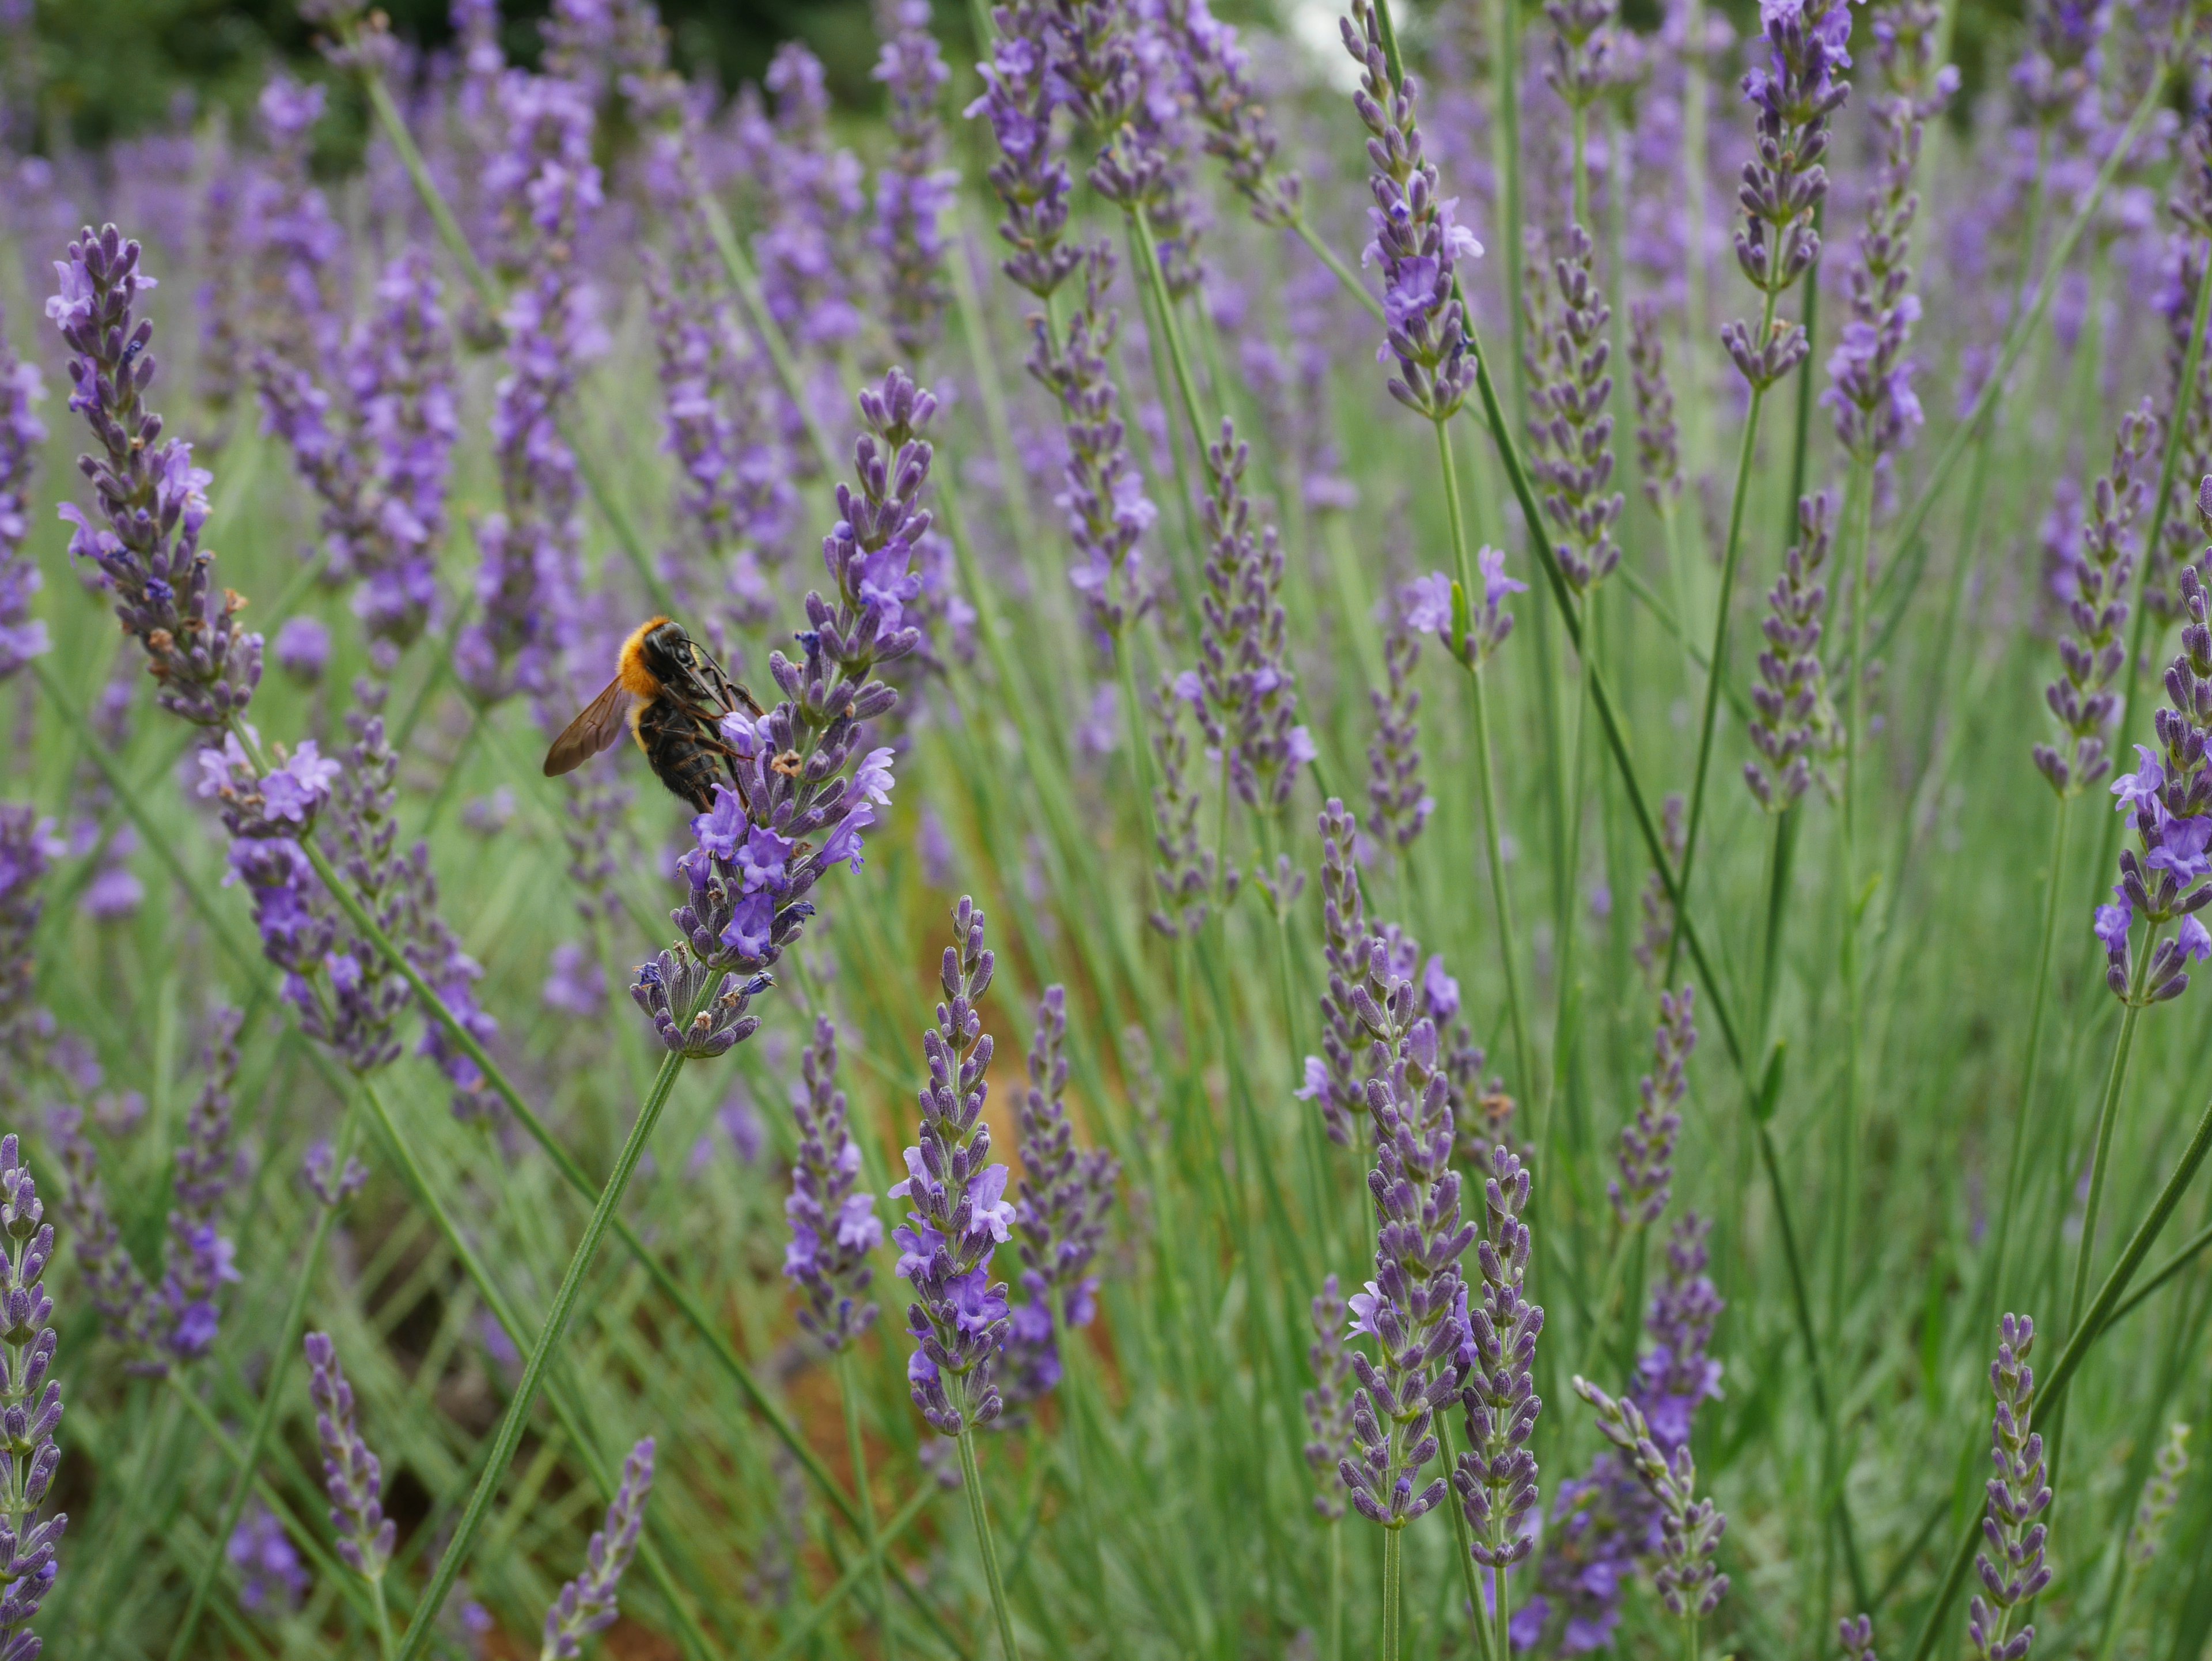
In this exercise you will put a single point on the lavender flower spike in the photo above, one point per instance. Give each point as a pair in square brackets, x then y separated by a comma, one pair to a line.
[200, 1256]
[1496, 1476]
[587, 1603]
[1690, 1528]
[29, 847]
[30, 1408]
[834, 1226]
[912, 191]
[1329, 1403]
[152, 498]
[1396, 791]
[960, 1214]
[2012, 1572]
[22, 637]
[1794, 726]
[1569, 426]
[1646, 1175]
[1856, 1639]
[351, 1474]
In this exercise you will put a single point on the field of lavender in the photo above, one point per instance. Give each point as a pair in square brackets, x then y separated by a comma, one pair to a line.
[1455, 920]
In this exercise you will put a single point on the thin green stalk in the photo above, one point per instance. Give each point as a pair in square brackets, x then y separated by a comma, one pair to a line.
[1801, 426]
[508, 1437]
[972, 1481]
[1780, 848]
[264, 1417]
[1155, 276]
[849, 1388]
[2079, 1341]
[1462, 1541]
[1858, 553]
[871, 1562]
[385, 1642]
[746, 280]
[1524, 1051]
[1717, 656]
[1501, 1622]
[1506, 163]
[1394, 1586]
[2165, 1271]
[1336, 1526]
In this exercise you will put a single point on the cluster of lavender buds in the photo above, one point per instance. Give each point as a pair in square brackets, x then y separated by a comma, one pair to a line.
[1184, 870]
[2188, 407]
[1497, 1476]
[1243, 690]
[22, 636]
[1432, 605]
[2170, 795]
[1678, 1373]
[297, 244]
[756, 861]
[1060, 1220]
[272, 1580]
[150, 495]
[200, 1256]
[961, 1215]
[1686, 1580]
[1396, 792]
[1784, 184]
[376, 446]
[1646, 1161]
[1216, 74]
[913, 192]
[27, 848]
[2058, 73]
[1336, 1080]
[834, 1226]
[1329, 1403]
[1657, 935]
[1872, 378]
[1569, 426]
[1584, 50]
[30, 1408]
[526, 587]
[1416, 241]
[809, 252]
[1108, 512]
[318, 1169]
[1794, 726]
[586, 1604]
[2161, 1494]
[1031, 181]
[352, 1476]
[1416, 1307]
[2017, 1497]
[1856, 1639]
[1658, 441]
[2082, 696]
[113, 1284]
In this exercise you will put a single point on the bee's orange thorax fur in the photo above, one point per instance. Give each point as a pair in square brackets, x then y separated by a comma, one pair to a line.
[638, 680]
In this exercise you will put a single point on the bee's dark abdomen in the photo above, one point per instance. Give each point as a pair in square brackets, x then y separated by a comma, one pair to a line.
[672, 744]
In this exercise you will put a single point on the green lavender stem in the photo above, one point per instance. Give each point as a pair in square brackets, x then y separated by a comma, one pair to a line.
[1394, 1588]
[848, 1388]
[972, 1479]
[1462, 1538]
[1859, 549]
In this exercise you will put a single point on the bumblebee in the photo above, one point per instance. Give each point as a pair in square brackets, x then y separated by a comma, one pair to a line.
[671, 696]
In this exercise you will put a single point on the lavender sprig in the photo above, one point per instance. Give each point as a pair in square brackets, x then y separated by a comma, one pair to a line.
[1215, 71]
[1329, 1403]
[1431, 608]
[586, 1604]
[30, 1408]
[1336, 1080]
[151, 497]
[1496, 1476]
[1032, 183]
[1397, 793]
[352, 1475]
[113, 1283]
[1658, 440]
[200, 1254]
[27, 849]
[1570, 424]
[2082, 696]
[1646, 1160]
[22, 636]
[912, 191]
[1686, 1580]
[834, 1226]
[1183, 871]
[2161, 1495]
[1794, 725]
[2012, 1570]
[960, 1213]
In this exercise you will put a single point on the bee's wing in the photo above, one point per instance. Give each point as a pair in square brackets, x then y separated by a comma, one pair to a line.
[602, 723]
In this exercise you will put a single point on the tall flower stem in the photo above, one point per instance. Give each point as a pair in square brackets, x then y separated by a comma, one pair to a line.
[1717, 659]
[972, 1479]
[1858, 556]
[265, 1416]
[848, 1388]
[1336, 1526]
[1462, 1545]
[1394, 1591]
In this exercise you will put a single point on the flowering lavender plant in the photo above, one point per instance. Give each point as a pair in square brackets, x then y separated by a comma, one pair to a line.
[2012, 1570]
[352, 1475]
[30, 1407]
[834, 1226]
[1646, 1160]
[22, 636]
[586, 1604]
[1794, 725]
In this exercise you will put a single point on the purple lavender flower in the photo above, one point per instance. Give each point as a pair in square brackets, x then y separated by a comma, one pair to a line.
[1585, 48]
[1031, 181]
[200, 1256]
[272, 1579]
[1686, 1580]
[2082, 696]
[1497, 1476]
[1059, 1219]
[1416, 1307]
[960, 1212]
[2161, 1495]
[1856, 1639]
[1646, 1159]
[27, 848]
[1570, 428]
[1872, 392]
[297, 244]
[913, 192]
[113, 1283]
[332, 1186]
[1396, 792]
[351, 1474]
[834, 1226]
[151, 497]
[2012, 1572]
[527, 586]
[1430, 606]
[2170, 797]
[587, 1603]
[1416, 241]
[1794, 726]
[302, 648]
[1658, 442]
[1216, 73]
[1184, 869]
[2190, 407]
[1657, 935]
[809, 250]
[1244, 691]
[2058, 73]
[1795, 93]
[1676, 1374]
[1336, 1080]
[30, 1406]
[1329, 1403]
[22, 636]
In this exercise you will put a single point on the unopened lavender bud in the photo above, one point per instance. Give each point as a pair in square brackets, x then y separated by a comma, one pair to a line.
[352, 1475]
[586, 1604]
